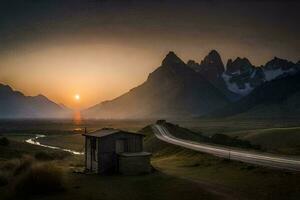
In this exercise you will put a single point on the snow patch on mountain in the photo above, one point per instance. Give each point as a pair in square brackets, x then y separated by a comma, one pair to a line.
[275, 73]
[233, 87]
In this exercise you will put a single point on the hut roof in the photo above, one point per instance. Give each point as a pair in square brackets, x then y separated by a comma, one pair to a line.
[107, 131]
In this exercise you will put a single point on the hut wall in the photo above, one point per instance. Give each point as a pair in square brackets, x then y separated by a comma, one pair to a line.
[134, 143]
[133, 165]
[91, 155]
[88, 153]
[108, 159]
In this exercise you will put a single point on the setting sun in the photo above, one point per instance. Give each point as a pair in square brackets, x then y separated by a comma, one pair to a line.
[77, 97]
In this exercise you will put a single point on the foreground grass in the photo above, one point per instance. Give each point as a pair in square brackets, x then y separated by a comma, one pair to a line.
[39, 181]
[153, 186]
[278, 140]
[241, 180]
[247, 181]
[182, 174]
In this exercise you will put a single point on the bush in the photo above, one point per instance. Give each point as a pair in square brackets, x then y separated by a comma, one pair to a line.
[25, 163]
[9, 165]
[40, 179]
[4, 141]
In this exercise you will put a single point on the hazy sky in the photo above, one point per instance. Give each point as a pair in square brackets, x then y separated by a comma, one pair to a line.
[101, 49]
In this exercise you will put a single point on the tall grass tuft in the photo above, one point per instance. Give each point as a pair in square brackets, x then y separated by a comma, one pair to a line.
[40, 179]
[25, 163]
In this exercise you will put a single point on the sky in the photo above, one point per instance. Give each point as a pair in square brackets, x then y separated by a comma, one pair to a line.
[101, 49]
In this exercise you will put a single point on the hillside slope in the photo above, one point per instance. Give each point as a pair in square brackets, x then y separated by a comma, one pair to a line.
[14, 104]
[172, 90]
[278, 98]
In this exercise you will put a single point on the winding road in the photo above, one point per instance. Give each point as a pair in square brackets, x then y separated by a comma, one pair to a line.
[274, 161]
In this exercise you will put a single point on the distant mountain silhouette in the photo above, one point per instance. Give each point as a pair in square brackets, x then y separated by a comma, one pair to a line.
[212, 69]
[242, 77]
[276, 98]
[14, 104]
[176, 89]
[181, 90]
[211, 66]
[172, 90]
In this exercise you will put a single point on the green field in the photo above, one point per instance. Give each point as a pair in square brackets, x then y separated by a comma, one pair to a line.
[280, 136]
[276, 140]
[83, 186]
[235, 179]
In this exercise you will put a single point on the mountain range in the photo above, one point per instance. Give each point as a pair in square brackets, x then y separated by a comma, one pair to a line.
[277, 98]
[14, 104]
[173, 89]
[181, 90]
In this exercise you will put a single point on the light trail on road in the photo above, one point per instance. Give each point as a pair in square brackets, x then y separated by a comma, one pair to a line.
[274, 161]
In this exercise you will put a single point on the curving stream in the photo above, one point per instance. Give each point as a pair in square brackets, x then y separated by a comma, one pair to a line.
[35, 142]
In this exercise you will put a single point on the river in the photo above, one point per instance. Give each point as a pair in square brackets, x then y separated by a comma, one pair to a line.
[35, 142]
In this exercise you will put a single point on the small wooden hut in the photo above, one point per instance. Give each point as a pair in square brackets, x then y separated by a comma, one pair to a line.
[112, 150]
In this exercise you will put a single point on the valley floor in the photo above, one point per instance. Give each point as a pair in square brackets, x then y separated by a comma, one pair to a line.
[77, 185]
[180, 173]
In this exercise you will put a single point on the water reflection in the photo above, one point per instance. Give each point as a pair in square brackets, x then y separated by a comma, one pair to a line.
[35, 142]
[77, 118]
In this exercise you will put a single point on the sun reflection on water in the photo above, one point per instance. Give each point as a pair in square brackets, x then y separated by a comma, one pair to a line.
[77, 118]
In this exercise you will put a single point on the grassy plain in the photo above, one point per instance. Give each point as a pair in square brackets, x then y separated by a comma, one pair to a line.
[280, 136]
[86, 186]
[181, 174]
[235, 179]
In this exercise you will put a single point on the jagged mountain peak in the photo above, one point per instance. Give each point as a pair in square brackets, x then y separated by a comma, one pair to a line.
[213, 58]
[193, 64]
[171, 90]
[171, 58]
[214, 55]
[277, 60]
[211, 67]
[239, 65]
[279, 63]
[6, 87]
[242, 60]
[15, 104]
[229, 62]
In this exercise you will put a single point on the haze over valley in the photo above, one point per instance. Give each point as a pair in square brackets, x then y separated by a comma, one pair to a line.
[150, 100]
[183, 90]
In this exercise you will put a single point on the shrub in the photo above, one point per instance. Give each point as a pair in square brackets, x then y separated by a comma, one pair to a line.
[4, 141]
[9, 165]
[25, 163]
[40, 179]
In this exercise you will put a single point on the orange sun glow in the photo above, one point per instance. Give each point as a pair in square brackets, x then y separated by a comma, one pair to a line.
[77, 97]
